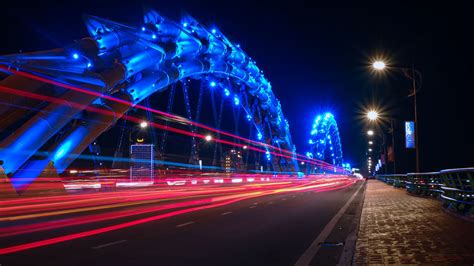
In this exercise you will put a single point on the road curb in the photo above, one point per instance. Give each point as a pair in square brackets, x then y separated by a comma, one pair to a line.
[347, 256]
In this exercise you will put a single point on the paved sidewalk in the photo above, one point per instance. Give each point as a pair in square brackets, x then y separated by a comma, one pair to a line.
[397, 228]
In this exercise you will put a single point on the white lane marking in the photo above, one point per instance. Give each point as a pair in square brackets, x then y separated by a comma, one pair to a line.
[109, 244]
[308, 255]
[225, 213]
[253, 206]
[181, 225]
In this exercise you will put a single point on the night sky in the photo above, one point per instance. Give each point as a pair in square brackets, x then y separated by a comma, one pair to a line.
[316, 57]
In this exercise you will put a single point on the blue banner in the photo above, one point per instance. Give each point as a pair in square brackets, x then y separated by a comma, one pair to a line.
[410, 134]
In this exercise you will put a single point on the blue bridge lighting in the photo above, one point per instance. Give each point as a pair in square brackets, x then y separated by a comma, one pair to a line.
[236, 100]
[324, 139]
[226, 92]
[136, 69]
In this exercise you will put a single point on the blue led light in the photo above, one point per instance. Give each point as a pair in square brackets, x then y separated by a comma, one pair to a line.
[226, 92]
[212, 84]
[75, 55]
[143, 29]
[249, 117]
[259, 136]
[325, 132]
[267, 154]
[153, 36]
[185, 24]
[213, 31]
[89, 65]
[236, 100]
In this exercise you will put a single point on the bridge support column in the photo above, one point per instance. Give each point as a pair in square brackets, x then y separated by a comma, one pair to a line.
[16, 149]
[6, 188]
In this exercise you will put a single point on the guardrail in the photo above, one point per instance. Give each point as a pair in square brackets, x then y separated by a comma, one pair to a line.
[454, 187]
[397, 180]
[424, 184]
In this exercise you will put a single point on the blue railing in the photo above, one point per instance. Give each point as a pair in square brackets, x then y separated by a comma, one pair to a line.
[454, 187]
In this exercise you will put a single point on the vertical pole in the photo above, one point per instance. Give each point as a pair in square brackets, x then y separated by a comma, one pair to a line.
[417, 151]
[393, 147]
[384, 147]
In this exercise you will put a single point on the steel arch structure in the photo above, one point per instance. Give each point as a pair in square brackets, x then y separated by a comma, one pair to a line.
[324, 141]
[118, 67]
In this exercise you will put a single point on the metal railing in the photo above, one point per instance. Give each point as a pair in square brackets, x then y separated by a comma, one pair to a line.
[454, 187]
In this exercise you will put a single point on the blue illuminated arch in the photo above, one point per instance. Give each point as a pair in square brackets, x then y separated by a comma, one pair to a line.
[324, 141]
[131, 63]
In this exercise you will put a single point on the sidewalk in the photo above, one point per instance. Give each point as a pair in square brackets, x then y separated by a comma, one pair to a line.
[397, 228]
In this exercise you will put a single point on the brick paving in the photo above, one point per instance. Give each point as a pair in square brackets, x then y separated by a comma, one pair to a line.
[397, 228]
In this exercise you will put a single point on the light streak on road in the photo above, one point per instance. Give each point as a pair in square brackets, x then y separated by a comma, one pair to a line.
[40, 214]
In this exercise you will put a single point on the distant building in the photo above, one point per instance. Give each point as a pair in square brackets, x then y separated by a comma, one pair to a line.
[233, 161]
[141, 162]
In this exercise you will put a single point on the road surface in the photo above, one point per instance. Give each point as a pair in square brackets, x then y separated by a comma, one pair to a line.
[238, 225]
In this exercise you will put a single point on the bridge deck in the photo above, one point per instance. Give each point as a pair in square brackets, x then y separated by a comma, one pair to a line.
[397, 228]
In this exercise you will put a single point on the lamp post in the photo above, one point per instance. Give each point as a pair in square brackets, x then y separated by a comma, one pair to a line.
[208, 138]
[142, 125]
[383, 150]
[374, 116]
[381, 66]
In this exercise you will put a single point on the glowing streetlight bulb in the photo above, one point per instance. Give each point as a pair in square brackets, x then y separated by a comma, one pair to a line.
[245, 147]
[370, 149]
[372, 115]
[371, 142]
[144, 124]
[370, 132]
[378, 65]
[208, 138]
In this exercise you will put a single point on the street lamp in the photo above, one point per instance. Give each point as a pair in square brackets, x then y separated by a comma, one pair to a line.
[370, 149]
[409, 73]
[372, 115]
[370, 132]
[142, 125]
[378, 65]
[208, 138]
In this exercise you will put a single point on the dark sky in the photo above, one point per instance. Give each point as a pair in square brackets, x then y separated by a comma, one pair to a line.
[315, 57]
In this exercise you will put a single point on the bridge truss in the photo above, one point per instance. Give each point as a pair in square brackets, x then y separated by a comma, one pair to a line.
[92, 83]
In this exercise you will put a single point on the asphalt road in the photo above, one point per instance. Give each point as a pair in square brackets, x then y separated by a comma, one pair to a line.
[268, 230]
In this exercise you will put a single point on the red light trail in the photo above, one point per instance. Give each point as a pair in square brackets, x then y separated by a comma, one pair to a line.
[168, 202]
